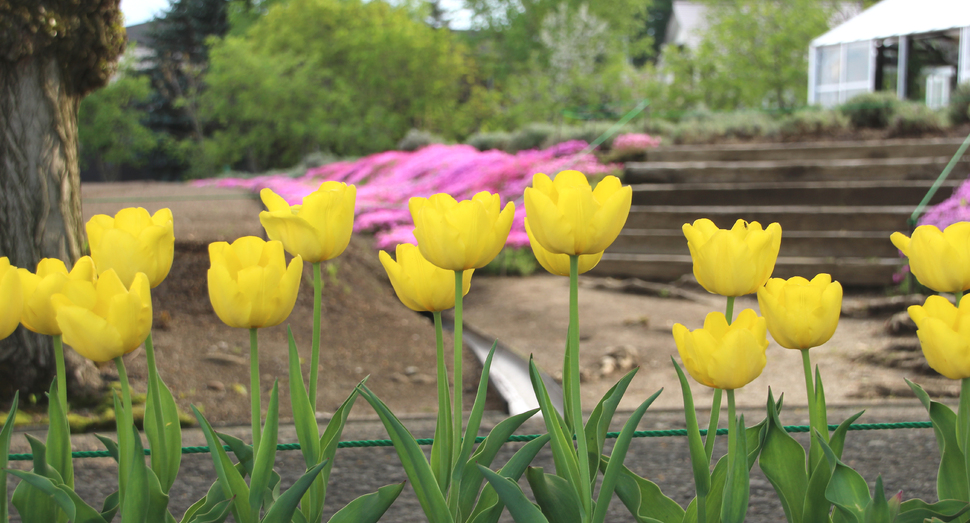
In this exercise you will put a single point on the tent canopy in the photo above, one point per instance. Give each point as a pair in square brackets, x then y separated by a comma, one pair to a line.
[899, 17]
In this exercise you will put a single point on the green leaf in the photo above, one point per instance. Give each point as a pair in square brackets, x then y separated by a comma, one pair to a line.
[557, 499]
[783, 462]
[472, 478]
[698, 456]
[847, 489]
[266, 455]
[122, 422]
[951, 479]
[5, 435]
[917, 510]
[878, 511]
[521, 509]
[370, 507]
[165, 441]
[110, 445]
[110, 506]
[327, 446]
[563, 451]
[643, 498]
[815, 507]
[214, 497]
[243, 452]
[59, 438]
[282, 511]
[230, 478]
[617, 456]
[837, 440]
[599, 420]
[32, 504]
[441, 451]
[304, 419]
[216, 514]
[471, 433]
[135, 506]
[412, 458]
[489, 507]
[737, 486]
[63, 497]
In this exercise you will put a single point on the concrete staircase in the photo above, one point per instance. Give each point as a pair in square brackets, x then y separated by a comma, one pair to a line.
[837, 204]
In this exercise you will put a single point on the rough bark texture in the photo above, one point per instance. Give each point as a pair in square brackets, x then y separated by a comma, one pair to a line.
[52, 53]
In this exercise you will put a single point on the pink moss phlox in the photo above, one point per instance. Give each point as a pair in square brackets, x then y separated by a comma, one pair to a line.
[386, 181]
[953, 209]
[635, 141]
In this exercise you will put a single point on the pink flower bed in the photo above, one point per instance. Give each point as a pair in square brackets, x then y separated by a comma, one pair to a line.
[385, 181]
[953, 209]
[635, 141]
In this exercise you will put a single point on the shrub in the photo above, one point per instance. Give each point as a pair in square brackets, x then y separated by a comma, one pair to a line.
[489, 141]
[589, 132]
[697, 131]
[532, 136]
[959, 108]
[659, 127]
[874, 110]
[748, 124]
[416, 139]
[814, 122]
[512, 261]
[916, 119]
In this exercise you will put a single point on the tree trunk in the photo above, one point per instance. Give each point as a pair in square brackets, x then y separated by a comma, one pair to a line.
[40, 196]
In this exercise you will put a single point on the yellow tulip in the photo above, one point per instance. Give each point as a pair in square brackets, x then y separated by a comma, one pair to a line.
[463, 235]
[724, 356]
[11, 298]
[558, 264]
[418, 283]
[939, 260]
[250, 284]
[568, 217]
[319, 229]
[115, 324]
[944, 333]
[52, 278]
[132, 242]
[801, 314]
[732, 262]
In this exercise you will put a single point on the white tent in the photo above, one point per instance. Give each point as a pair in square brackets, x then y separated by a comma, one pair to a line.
[846, 61]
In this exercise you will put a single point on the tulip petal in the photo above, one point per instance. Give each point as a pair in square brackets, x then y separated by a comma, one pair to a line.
[231, 305]
[11, 298]
[88, 333]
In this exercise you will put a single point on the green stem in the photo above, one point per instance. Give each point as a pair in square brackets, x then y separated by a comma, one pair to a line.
[572, 387]
[732, 429]
[254, 386]
[963, 422]
[702, 508]
[729, 313]
[712, 425]
[61, 372]
[457, 406]
[959, 296]
[125, 387]
[123, 422]
[315, 344]
[443, 425]
[809, 388]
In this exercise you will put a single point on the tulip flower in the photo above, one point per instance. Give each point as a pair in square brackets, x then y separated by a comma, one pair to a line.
[133, 242]
[11, 298]
[52, 278]
[463, 235]
[939, 260]
[250, 285]
[418, 283]
[568, 217]
[558, 264]
[319, 229]
[115, 324]
[801, 314]
[944, 333]
[732, 262]
[724, 356]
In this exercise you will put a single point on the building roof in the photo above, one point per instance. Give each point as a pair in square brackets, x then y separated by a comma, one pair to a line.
[899, 17]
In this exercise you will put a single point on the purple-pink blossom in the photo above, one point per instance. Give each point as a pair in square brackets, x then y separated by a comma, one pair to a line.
[953, 209]
[635, 141]
[386, 181]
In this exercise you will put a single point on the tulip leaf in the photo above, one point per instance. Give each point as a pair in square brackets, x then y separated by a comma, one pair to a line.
[951, 479]
[471, 433]
[165, 441]
[63, 497]
[618, 455]
[266, 454]
[521, 509]
[783, 462]
[643, 498]
[242, 451]
[326, 451]
[698, 456]
[847, 489]
[304, 419]
[600, 418]
[917, 510]
[837, 440]
[563, 451]
[207, 506]
[110, 506]
[370, 507]
[557, 499]
[135, 506]
[489, 507]
[471, 478]
[216, 514]
[878, 509]
[122, 421]
[441, 451]
[737, 484]
[283, 510]
[111, 446]
[59, 438]
[5, 435]
[413, 460]
[229, 478]
[31, 503]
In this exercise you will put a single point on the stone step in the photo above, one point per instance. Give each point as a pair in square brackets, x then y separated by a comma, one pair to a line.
[887, 169]
[870, 192]
[807, 151]
[851, 272]
[791, 218]
[851, 244]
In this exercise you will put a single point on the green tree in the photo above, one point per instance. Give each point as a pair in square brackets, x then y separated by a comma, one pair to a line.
[339, 75]
[754, 54]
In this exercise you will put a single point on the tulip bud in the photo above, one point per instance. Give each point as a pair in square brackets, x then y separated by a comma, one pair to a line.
[115, 324]
[801, 314]
[133, 242]
[944, 333]
[724, 356]
[568, 217]
[939, 260]
[319, 229]
[418, 283]
[11, 298]
[463, 235]
[732, 262]
[52, 278]
[250, 284]
[558, 264]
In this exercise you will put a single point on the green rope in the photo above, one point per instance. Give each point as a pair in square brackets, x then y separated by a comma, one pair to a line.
[939, 181]
[513, 438]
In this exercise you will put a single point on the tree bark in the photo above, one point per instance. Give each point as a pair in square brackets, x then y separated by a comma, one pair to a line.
[40, 196]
